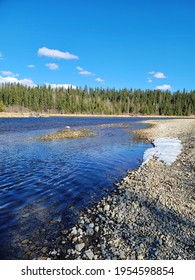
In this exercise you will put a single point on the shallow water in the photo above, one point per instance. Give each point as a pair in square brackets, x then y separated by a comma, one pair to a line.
[44, 181]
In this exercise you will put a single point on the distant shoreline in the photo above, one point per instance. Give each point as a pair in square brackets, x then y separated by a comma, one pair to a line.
[45, 115]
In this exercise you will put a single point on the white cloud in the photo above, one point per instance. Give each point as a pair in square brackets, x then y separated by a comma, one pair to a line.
[99, 80]
[80, 68]
[27, 82]
[31, 66]
[163, 87]
[56, 54]
[8, 73]
[85, 72]
[52, 66]
[13, 80]
[158, 75]
[150, 81]
[65, 86]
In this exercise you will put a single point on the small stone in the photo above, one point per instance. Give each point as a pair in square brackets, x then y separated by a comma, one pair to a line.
[102, 218]
[97, 229]
[74, 231]
[141, 246]
[122, 255]
[140, 257]
[133, 257]
[81, 221]
[57, 219]
[107, 207]
[156, 253]
[32, 247]
[25, 241]
[44, 250]
[89, 231]
[80, 246]
[91, 225]
[80, 231]
[74, 239]
[53, 253]
[64, 232]
[89, 254]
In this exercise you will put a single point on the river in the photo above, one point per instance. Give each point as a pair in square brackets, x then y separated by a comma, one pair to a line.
[48, 182]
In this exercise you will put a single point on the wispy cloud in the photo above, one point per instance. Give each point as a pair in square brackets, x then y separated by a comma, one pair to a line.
[150, 80]
[163, 87]
[79, 68]
[1, 56]
[8, 73]
[66, 86]
[31, 66]
[99, 80]
[56, 54]
[52, 66]
[157, 75]
[13, 80]
[84, 72]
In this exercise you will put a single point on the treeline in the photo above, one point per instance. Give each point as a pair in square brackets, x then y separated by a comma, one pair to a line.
[97, 100]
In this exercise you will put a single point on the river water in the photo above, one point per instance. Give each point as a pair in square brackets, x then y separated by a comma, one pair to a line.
[44, 182]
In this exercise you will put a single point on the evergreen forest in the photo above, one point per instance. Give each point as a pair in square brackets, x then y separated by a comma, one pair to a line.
[45, 99]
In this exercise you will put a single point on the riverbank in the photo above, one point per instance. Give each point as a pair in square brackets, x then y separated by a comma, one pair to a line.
[149, 216]
[45, 115]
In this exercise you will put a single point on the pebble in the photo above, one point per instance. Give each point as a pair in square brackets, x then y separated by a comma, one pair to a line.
[25, 241]
[44, 250]
[80, 246]
[140, 257]
[107, 207]
[89, 254]
[74, 231]
[53, 253]
[97, 229]
[91, 225]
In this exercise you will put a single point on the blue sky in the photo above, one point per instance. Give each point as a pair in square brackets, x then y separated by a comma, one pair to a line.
[119, 43]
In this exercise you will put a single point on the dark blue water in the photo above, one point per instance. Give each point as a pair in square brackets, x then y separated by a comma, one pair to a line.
[45, 181]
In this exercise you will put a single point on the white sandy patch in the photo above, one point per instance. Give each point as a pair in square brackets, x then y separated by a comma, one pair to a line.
[166, 149]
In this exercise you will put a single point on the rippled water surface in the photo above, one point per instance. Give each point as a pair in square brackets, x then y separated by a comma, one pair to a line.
[44, 181]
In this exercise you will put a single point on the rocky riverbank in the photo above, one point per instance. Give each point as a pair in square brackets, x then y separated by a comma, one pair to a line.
[151, 214]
